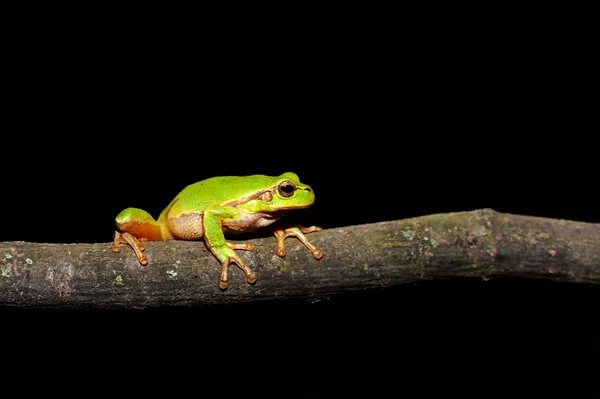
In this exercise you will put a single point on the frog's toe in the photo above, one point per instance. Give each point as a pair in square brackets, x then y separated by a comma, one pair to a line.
[223, 284]
[318, 254]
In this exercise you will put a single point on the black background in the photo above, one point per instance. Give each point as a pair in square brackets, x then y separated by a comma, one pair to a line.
[383, 122]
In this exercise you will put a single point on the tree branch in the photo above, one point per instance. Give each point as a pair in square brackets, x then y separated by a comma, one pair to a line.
[482, 244]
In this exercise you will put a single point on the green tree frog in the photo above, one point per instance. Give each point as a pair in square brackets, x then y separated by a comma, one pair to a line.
[212, 208]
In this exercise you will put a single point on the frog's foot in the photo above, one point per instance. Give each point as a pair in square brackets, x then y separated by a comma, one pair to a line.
[298, 232]
[134, 243]
[227, 256]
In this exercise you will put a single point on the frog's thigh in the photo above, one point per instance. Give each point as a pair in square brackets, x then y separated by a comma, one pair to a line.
[186, 227]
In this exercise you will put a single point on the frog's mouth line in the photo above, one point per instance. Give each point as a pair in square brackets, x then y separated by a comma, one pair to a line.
[279, 212]
[283, 211]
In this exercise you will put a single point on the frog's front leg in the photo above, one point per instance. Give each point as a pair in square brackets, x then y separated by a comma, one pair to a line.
[224, 251]
[299, 232]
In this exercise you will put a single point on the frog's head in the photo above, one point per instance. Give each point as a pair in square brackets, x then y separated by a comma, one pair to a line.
[289, 193]
[283, 194]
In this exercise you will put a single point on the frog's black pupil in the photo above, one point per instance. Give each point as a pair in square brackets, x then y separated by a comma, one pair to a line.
[287, 189]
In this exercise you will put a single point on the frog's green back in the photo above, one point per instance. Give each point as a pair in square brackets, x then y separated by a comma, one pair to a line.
[218, 190]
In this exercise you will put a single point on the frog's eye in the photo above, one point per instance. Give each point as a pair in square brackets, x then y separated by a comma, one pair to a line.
[286, 188]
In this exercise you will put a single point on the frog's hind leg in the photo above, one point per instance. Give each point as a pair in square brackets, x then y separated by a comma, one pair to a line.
[134, 243]
[134, 226]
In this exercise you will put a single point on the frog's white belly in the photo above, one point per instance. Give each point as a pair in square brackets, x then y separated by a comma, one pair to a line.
[191, 227]
[249, 222]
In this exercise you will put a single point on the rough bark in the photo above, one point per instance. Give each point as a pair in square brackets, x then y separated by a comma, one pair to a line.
[481, 244]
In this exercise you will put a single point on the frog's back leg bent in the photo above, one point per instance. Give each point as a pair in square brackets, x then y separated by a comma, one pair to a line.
[135, 226]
